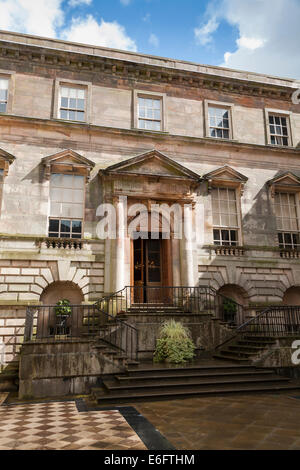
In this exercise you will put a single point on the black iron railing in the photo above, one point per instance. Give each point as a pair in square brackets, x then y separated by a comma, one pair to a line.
[42, 322]
[274, 322]
[186, 299]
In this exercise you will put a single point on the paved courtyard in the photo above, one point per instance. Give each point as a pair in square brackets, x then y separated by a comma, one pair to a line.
[263, 422]
[234, 422]
[59, 426]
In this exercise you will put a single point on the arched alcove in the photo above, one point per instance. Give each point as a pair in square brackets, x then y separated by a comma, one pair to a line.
[234, 292]
[292, 296]
[62, 290]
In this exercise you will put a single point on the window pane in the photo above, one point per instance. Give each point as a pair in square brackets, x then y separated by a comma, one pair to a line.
[80, 116]
[65, 226]
[76, 226]
[78, 182]
[80, 104]
[64, 102]
[53, 225]
[63, 114]
[2, 107]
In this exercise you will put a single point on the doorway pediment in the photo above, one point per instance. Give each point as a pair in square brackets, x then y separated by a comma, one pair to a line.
[152, 163]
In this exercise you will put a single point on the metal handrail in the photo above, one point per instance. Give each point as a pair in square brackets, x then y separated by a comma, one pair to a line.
[277, 328]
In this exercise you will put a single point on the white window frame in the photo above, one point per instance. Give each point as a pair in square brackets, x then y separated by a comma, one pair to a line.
[51, 217]
[87, 86]
[223, 105]
[291, 232]
[238, 229]
[10, 76]
[290, 124]
[150, 95]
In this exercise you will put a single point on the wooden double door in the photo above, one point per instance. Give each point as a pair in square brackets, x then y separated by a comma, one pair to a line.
[151, 270]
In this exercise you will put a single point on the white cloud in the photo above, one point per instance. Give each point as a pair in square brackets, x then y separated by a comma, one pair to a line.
[268, 34]
[48, 19]
[87, 30]
[75, 3]
[250, 43]
[204, 34]
[29, 17]
[153, 40]
[125, 2]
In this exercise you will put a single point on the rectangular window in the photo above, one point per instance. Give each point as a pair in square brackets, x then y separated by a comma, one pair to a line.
[225, 217]
[72, 104]
[3, 94]
[150, 114]
[279, 133]
[286, 211]
[66, 206]
[219, 122]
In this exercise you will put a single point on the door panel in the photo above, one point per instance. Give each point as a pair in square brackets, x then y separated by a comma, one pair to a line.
[147, 262]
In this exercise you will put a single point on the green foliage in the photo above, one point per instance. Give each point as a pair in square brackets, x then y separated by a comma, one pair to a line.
[174, 343]
[63, 307]
[229, 306]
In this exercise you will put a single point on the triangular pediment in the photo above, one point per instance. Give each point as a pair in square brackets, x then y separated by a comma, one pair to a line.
[67, 160]
[152, 163]
[226, 173]
[6, 159]
[288, 179]
[6, 156]
[68, 157]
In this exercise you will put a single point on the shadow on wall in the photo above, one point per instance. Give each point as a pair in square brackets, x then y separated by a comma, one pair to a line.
[292, 296]
[62, 290]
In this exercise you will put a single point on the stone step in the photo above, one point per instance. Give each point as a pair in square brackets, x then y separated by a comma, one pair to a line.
[261, 343]
[191, 375]
[226, 357]
[245, 347]
[187, 369]
[112, 384]
[102, 397]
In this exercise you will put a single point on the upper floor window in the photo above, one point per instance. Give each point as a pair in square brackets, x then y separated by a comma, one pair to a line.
[3, 94]
[219, 122]
[287, 218]
[72, 104]
[150, 113]
[226, 224]
[67, 194]
[279, 130]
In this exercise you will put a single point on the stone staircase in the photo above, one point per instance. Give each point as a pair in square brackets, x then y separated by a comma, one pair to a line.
[244, 349]
[149, 382]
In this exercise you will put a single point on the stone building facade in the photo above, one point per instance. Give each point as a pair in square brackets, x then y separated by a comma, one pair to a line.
[155, 130]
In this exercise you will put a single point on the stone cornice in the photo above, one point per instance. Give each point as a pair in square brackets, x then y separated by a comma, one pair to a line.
[141, 71]
[158, 137]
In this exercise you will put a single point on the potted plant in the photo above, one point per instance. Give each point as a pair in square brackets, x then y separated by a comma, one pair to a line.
[63, 311]
[174, 343]
[229, 310]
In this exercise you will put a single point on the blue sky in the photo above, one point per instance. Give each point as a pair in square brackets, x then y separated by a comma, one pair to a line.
[255, 35]
[164, 27]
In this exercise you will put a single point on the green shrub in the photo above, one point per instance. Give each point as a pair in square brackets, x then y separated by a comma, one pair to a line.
[63, 307]
[174, 343]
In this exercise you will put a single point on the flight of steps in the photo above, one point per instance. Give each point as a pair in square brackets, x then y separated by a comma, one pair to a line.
[144, 382]
[155, 309]
[244, 349]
